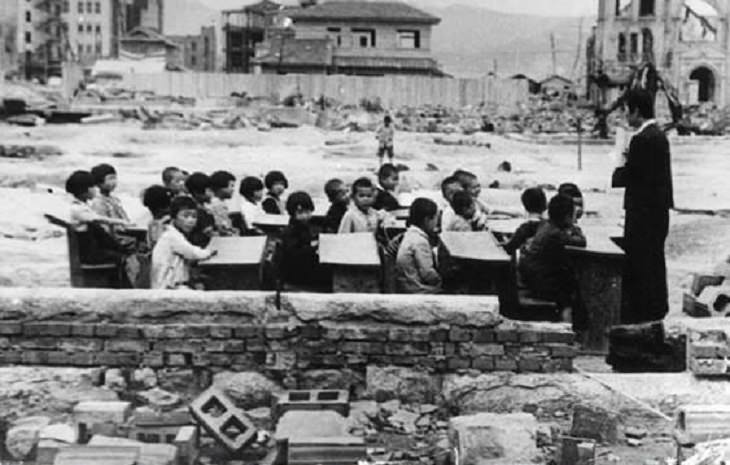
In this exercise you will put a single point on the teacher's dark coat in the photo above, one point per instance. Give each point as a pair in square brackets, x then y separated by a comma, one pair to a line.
[647, 177]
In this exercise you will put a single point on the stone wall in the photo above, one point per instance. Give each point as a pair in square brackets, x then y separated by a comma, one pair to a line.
[248, 331]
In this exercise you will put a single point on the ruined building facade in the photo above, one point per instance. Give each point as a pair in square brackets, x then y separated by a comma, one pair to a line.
[687, 40]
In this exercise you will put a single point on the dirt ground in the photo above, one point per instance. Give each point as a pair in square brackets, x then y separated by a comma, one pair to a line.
[35, 254]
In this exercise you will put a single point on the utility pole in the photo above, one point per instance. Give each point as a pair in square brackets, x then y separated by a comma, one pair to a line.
[554, 53]
[578, 52]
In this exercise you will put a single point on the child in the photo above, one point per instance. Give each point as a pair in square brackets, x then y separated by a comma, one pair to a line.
[276, 183]
[544, 265]
[173, 252]
[535, 203]
[449, 187]
[466, 217]
[470, 183]
[300, 246]
[199, 187]
[361, 216]
[415, 266]
[223, 184]
[96, 244]
[174, 179]
[157, 199]
[252, 191]
[337, 194]
[385, 135]
[105, 204]
[388, 179]
[573, 191]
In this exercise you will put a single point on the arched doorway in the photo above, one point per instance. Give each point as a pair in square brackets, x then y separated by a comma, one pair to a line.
[705, 83]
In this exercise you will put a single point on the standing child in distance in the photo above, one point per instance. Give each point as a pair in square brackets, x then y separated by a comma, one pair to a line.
[385, 136]
[416, 271]
[361, 217]
[300, 246]
[388, 179]
[544, 263]
[276, 184]
[223, 185]
[173, 253]
[535, 203]
[174, 179]
[339, 198]
[466, 217]
[199, 187]
[252, 191]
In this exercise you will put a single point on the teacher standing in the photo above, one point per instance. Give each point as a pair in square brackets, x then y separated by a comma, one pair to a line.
[646, 174]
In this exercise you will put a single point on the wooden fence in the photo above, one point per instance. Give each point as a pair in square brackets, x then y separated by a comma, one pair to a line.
[393, 91]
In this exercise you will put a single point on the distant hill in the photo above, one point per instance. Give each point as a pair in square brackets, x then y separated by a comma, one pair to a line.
[467, 42]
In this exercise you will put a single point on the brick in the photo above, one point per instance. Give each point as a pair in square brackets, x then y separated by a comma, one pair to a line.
[311, 331]
[351, 347]
[196, 331]
[508, 335]
[214, 359]
[512, 350]
[563, 337]
[356, 359]
[505, 364]
[10, 357]
[457, 334]
[409, 335]
[256, 344]
[81, 344]
[82, 330]
[540, 351]
[181, 345]
[201, 359]
[529, 337]
[322, 347]
[565, 364]
[118, 330]
[443, 349]
[414, 348]
[118, 359]
[406, 360]
[530, 364]
[476, 350]
[248, 361]
[221, 332]
[46, 329]
[10, 328]
[176, 360]
[457, 363]
[336, 360]
[483, 363]
[440, 335]
[5, 343]
[153, 359]
[246, 332]
[561, 350]
[126, 345]
[485, 335]
[234, 346]
[35, 357]
[275, 331]
[279, 345]
[46, 343]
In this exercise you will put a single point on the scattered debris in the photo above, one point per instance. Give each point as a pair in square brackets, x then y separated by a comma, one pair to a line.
[23, 435]
[488, 436]
[594, 423]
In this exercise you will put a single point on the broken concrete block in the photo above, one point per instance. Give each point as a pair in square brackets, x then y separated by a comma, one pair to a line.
[335, 400]
[148, 425]
[229, 425]
[87, 414]
[404, 384]
[318, 424]
[186, 442]
[595, 423]
[577, 451]
[114, 380]
[700, 423]
[23, 435]
[85, 455]
[248, 390]
[60, 432]
[149, 453]
[635, 432]
[341, 450]
[159, 399]
[47, 449]
[145, 377]
[488, 438]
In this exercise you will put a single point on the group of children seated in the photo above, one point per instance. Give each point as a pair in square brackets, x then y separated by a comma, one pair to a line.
[189, 209]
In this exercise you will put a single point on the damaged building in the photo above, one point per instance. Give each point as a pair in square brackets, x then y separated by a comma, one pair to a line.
[687, 40]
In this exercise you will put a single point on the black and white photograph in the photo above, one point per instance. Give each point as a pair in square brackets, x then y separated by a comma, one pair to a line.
[364, 232]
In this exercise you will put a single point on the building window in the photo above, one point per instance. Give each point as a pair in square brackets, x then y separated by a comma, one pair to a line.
[81, 28]
[409, 39]
[98, 48]
[634, 45]
[335, 33]
[206, 44]
[646, 8]
[65, 6]
[27, 17]
[622, 7]
[621, 47]
[98, 29]
[193, 61]
[647, 45]
[81, 7]
[193, 47]
[81, 49]
[28, 37]
[89, 49]
[89, 7]
[97, 8]
[89, 28]
[365, 38]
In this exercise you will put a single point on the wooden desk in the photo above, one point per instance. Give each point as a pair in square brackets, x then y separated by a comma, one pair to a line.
[505, 229]
[237, 266]
[401, 213]
[136, 231]
[354, 260]
[599, 270]
[271, 225]
[485, 266]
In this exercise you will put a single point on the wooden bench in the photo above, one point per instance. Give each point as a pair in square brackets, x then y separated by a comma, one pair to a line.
[105, 275]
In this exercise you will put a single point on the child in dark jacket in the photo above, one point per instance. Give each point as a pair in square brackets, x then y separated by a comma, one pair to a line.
[535, 203]
[544, 264]
[300, 246]
[276, 184]
[388, 179]
[200, 189]
[339, 198]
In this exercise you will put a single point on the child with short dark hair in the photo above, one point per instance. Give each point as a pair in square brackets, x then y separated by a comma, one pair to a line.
[300, 246]
[535, 203]
[173, 253]
[174, 179]
[361, 216]
[157, 199]
[573, 191]
[223, 185]
[416, 271]
[339, 198]
[544, 264]
[449, 186]
[388, 178]
[470, 183]
[385, 135]
[466, 217]
[252, 191]
[200, 189]
[276, 184]
[105, 204]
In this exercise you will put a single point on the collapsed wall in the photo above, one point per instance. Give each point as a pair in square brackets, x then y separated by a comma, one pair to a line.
[252, 331]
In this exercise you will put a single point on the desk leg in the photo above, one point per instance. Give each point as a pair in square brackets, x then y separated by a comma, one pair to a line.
[599, 288]
[358, 280]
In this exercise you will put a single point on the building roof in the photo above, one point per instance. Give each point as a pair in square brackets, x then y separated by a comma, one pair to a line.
[146, 34]
[262, 7]
[300, 52]
[556, 77]
[384, 12]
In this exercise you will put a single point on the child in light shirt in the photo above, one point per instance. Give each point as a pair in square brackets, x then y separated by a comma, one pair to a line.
[467, 218]
[416, 271]
[449, 187]
[252, 193]
[223, 184]
[174, 179]
[106, 204]
[361, 217]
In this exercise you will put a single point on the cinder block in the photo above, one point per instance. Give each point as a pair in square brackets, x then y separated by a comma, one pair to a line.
[708, 367]
[186, 441]
[324, 451]
[708, 349]
[87, 413]
[222, 420]
[149, 426]
[700, 282]
[47, 449]
[335, 400]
